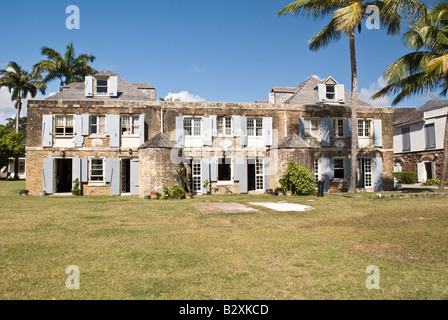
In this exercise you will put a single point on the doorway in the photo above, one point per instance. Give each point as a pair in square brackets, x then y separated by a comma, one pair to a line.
[255, 175]
[365, 173]
[63, 175]
[125, 175]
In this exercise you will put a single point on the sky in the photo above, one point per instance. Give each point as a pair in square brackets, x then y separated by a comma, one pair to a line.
[200, 50]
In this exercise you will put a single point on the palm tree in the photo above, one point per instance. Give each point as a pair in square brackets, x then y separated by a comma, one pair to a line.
[425, 69]
[20, 83]
[67, 68]
[347, 16]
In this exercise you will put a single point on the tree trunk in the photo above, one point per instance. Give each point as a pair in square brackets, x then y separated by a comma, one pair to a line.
[354, 107]
[445, 157]
[16, 159]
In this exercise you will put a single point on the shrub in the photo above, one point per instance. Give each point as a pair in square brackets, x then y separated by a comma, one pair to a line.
[406, 177]
[431, 182]
[177, 191]
[298, 179]
[166, 194]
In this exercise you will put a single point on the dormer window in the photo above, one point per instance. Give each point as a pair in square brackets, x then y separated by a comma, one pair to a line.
[330, 92]
[101, 86]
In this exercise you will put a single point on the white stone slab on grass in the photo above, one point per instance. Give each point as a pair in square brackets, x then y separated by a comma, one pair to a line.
[282, 206]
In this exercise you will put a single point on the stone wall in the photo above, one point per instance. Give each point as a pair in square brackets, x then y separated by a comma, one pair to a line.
[409, 160]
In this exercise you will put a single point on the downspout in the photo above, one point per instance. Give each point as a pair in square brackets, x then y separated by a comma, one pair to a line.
[161, 120]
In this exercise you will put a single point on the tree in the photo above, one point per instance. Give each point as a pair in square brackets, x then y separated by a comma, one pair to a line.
[347, 16]
[298, 179]
[67, 68]
[11, 145]
[425, 69]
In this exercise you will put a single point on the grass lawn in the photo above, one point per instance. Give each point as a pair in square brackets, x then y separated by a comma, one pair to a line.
[129, 248]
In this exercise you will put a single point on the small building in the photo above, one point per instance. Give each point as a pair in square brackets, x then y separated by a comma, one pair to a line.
[8, 172]
[419, 139]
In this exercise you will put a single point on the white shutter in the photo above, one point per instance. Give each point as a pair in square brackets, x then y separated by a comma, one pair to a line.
[142, 129]
[88, 86]
[321, 91]
[113, 129]
[180, 134]
[421, 172]
[267, 131]
[341, 93]
[378, 132]
[47, 130]
[112, 86]
[134, 177]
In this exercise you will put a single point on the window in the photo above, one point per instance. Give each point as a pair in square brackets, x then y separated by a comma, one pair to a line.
[21, 166]
[196, 176]
[339, 169]
[98, 125]
[64, 125]
[339, 127]
[192, 126]
[101, 86]
[368, 173]
[316, 170]
[97, 170]
[255, 127]
[330, 92]
[430, 133]
[130, 126]
[312, 128]
[406, 134]
[259, 175]
[224, 169]
[364, 128]
[224, 126]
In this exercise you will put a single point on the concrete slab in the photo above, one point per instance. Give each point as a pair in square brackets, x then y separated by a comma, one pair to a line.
[283, 206]
[222, 207]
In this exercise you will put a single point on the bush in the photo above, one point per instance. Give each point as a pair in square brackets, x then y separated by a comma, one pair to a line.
[177, 191]
[166, 194]
[298, 179]
[406, 177]
[431, 182]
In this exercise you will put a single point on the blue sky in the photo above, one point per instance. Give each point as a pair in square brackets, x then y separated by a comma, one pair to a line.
[233, 50]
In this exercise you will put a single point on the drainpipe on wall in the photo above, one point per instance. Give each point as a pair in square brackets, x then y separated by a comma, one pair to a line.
[161, 120]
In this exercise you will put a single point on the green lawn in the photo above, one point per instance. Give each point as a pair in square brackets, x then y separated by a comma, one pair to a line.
[129, 248]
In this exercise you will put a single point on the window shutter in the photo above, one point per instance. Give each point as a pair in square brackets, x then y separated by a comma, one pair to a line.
[341, 93]
[112, 173]
[77, 128]
[205, 173]
[76, 169]
[348, 127]
[180, 131]
[237, 126]
[236, 173]
[213, 169]
[325, 128]
[84, 170]
[321, 91]
[142, 129]
[302, 127]
[85, 119]
[47, 175]
[47, 130]
[377, 167]
[214, 126]
[348, 168]
[420, 172]
[359, 175]
[113, 129]
[112, 86]
[243, 131]
[242, 171]
[405, 132]
[272, 97]
[266, 172]
[207, 132]
[327, 172]
[433, 169]
[378, 133]
[88, 86]
[267, 131]
[134, 177]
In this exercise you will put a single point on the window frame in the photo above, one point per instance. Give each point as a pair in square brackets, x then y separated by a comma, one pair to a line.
[330, 93]
[222, 161]
[255, 127]
[428, 125]
[96, 86]
[97, 182]
[406, 138]
[336, 127]
[223, 129]
[193, 127]
[364, 128]
[64, 126]
[344, 168]
[308, 127]
[98, 116]
[132, 125]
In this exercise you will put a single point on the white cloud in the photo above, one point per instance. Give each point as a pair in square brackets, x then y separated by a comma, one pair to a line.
[316, 76]
[183, 96]
[196, 69]
[366, 93]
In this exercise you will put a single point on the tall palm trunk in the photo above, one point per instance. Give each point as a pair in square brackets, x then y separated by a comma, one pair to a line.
[16, 159]
[445, 156]
[354, 107]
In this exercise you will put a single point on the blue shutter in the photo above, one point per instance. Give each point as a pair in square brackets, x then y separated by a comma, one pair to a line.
[348, 168]
[377, 168]
[327, 166]
[84, 170]
[205, 173]
[77, 128]
[134, 177]
[237, 126]
[207, 132]
[348, 127]
[214, 126]
[47, 175]
[378, 133]
[47, 130]
[321, 91]
[359, 175]
[213, 169]
[242, 172]
[266, 172]
[267, 131]
[341, 93]
[142, 129]
[112, 86]
[243, 122]
[325, 128]
[88, 86]
[180, 134]
[236, 168]
[76, 169]
[113, 129]
[85, 119]
[302, 127]
[112, 173]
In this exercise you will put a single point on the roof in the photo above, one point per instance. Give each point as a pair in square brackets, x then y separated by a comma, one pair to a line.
[158, 141]
[126, 90]
[306, 93]
[292, 142]
[409, 115]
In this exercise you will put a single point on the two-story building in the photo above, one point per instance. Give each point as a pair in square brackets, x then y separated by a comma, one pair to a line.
[117, 139]
[418, 139]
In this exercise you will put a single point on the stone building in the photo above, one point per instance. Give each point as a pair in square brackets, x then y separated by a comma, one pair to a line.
[418, 139]
[117, 139]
